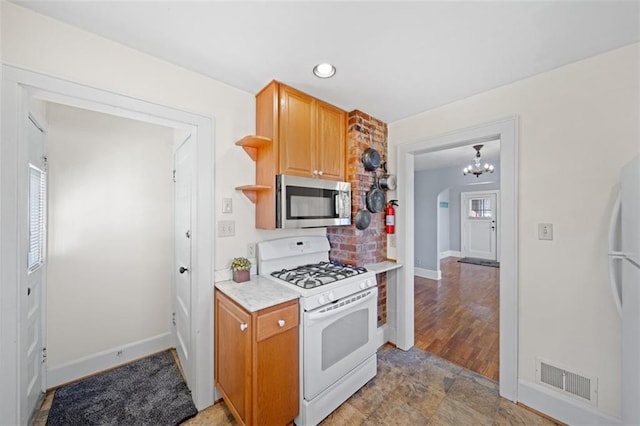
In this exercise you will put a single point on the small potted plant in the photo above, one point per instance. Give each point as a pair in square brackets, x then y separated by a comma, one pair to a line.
[240, 267]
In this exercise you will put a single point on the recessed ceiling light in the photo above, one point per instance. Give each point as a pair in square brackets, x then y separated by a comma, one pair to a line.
[324, 70]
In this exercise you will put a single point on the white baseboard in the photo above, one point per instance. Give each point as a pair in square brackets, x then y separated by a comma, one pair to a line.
[105, 360]
[560, 407]
[450, 253]
[428, 273]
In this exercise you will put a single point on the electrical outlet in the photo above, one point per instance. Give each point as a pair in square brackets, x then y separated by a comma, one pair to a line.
[545, 231]
[227, 205]
[226, 228]
[251, 250]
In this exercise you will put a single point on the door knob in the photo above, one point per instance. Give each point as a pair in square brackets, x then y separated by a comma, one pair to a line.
[243, 326]
[183, 269]
[281, 323]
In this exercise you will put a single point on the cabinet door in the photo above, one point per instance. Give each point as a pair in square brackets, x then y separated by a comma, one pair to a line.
[233, 356]
[277, 378]
[297, 131]
[331, 141]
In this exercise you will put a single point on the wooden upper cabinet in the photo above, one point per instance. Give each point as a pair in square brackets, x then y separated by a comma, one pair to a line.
[330, 141]
[309, 135]
[297, 132]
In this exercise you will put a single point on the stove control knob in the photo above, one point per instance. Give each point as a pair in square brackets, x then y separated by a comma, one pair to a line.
[322, 300]
[332, 296]
[371, 282]
[364, 284]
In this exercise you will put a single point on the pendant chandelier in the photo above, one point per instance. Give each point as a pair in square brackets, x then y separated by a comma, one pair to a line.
[477, 168]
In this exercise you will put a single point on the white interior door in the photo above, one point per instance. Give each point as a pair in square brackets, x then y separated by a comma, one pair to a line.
[32, 214]
[182, 161]
[479, 212]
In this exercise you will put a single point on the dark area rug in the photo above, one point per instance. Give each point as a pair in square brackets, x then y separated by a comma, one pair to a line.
[150, 391]
[481, 262]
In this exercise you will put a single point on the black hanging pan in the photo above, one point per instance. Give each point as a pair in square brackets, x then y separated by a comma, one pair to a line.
[363, 216]
[375, 198]
[370, 159]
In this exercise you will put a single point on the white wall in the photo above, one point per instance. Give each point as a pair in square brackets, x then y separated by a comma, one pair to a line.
[109, 253]
[578, 126]
[44, 45]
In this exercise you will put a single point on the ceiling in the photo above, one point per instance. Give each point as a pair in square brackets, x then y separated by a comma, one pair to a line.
[394, 59]
[458, 157]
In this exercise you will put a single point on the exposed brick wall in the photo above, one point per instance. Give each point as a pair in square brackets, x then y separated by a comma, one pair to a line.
[348, 244]
[382, 298]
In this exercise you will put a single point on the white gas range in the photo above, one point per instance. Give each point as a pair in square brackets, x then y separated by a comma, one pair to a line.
[338, 318]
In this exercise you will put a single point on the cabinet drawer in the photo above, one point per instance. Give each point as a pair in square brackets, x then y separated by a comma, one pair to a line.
[270, 323]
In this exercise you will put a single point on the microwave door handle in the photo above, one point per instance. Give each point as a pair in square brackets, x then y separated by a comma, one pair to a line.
[347, 205]
[343, 205]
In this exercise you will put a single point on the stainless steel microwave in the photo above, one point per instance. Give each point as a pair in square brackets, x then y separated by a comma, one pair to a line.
[311, 203]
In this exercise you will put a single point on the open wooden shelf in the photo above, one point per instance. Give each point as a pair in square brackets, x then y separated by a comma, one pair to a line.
[251, 191]
[251, 144]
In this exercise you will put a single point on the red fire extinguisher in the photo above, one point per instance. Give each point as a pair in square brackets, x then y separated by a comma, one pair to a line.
[390, 217]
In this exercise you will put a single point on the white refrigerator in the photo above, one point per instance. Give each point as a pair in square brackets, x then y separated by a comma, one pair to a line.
[624, 261]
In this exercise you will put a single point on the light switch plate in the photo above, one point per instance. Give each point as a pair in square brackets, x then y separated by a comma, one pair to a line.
[227, 206]
[545, 231]
[226, 228]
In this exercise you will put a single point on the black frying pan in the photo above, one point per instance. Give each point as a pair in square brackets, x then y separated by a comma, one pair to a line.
[363, 216]
[375, 198]
[370, 159]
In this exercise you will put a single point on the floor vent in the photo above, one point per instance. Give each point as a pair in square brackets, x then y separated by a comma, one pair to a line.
[568, 382]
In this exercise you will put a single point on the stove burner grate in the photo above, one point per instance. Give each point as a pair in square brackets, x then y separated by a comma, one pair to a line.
[317, 274]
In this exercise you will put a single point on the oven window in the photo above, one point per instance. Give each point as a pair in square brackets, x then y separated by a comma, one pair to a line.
[310, 203]
[344, 336]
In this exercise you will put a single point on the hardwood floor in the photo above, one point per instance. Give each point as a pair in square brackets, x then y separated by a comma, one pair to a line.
[457, 317]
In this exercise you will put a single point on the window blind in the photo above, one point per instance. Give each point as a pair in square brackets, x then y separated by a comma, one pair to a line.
[37, 217]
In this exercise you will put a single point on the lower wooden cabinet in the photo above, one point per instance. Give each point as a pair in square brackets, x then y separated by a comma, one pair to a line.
[256, 361]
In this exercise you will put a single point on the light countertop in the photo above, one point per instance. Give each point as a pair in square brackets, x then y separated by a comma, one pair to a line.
[383, 266]
[257, 293]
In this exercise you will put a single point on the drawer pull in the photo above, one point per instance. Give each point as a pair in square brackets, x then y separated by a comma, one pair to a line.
[243, 326]
[281, 323]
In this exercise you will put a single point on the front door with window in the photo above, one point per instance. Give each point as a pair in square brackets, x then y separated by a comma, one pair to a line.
[479, 224]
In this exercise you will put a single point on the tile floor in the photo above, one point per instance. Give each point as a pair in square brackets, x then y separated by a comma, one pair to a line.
[414, 388]
[411, 388]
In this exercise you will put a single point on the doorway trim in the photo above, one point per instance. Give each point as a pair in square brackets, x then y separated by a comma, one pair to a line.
[15, 82]
[506, 130]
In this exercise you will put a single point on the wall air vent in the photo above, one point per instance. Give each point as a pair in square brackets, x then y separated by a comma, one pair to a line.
[581, 386]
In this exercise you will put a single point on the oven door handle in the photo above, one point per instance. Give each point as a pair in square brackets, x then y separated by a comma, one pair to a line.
[320, 315]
